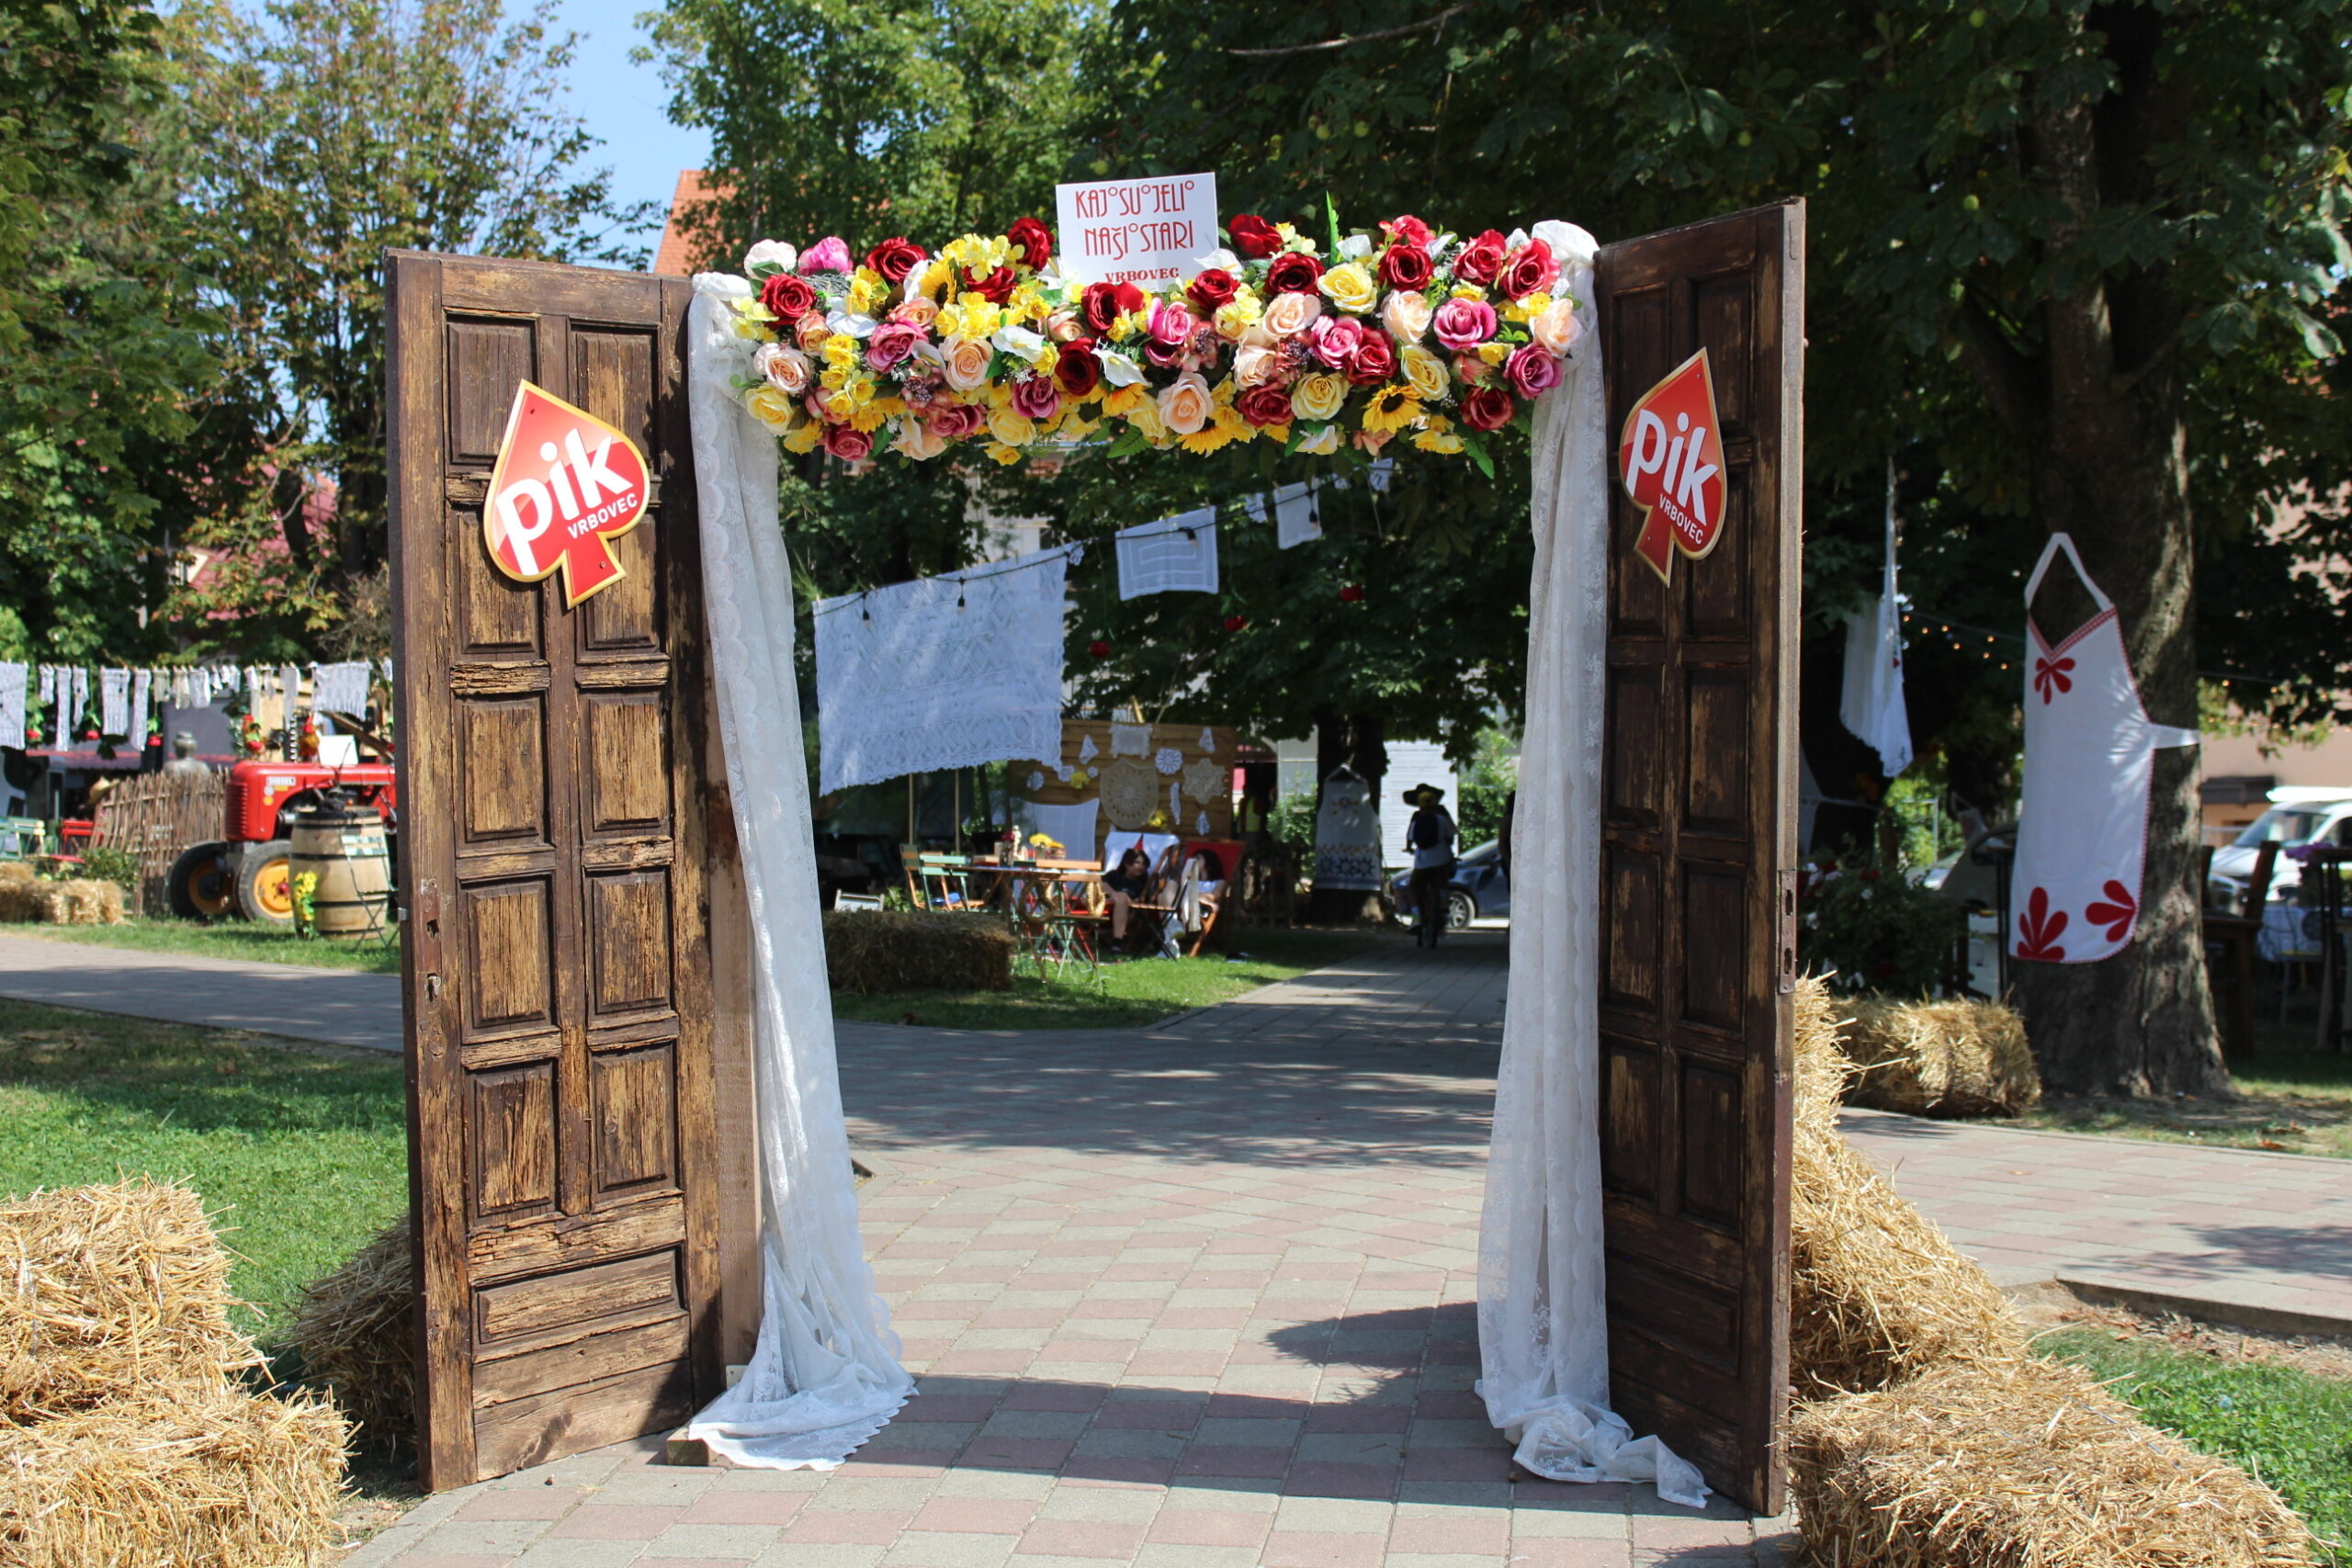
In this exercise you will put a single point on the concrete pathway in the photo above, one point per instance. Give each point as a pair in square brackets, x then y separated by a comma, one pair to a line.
[335, 1006]
[1192, 1297]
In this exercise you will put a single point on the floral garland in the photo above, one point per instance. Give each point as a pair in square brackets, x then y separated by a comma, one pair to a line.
[1428, 338]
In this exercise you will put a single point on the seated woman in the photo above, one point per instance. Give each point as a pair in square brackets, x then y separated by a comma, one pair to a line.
[1198, 889]
[1125, 888]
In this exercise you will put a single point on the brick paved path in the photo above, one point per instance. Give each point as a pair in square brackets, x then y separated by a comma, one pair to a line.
[1192, 1297]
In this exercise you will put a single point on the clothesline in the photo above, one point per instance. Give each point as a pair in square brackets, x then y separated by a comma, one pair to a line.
[1989, 636]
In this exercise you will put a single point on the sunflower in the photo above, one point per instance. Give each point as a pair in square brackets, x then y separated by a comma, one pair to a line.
[1391, 408]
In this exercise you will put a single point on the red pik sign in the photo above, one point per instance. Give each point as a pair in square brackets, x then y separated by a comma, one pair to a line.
[1670, 458]
[565, 484]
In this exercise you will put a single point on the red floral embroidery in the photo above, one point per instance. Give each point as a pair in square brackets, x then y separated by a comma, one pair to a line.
[2050, 673]
[2039, 928]
[2115, 912]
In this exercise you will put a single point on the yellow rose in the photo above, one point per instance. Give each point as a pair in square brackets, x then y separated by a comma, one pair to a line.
[1235, 318]
[1494, 353]
[1468, 291]
[1186, 404]
[803, 437]
[1010, 428]
[772, 408]
[1350, 287]
[1425, 373]
[1556, 327]
[1318, 396]
[1322, 444]
[1287, 315]
[1407, 317]
[963, 362]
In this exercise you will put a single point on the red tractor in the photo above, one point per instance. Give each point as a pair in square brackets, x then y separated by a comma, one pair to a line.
[247, 874]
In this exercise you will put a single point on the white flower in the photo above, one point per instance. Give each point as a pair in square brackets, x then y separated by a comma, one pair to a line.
[1355, 247]
[1117, 368]
[1517, 238]
[1019, 342]
[1322, 444]
[772, 254]
[1571, 246]
[1220, 257]
[855, 325]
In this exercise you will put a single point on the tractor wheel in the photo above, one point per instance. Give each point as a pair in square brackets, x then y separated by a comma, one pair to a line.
[199, 887]
[265, 883]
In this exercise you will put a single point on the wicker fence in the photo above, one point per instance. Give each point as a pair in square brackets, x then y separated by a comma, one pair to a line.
[156, 816]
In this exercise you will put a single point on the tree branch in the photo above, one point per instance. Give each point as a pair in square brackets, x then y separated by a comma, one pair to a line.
[2005, 376]
[1438, 20]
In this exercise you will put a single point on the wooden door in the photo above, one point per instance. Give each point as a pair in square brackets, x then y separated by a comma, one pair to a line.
[556, 970]
[1699, 846]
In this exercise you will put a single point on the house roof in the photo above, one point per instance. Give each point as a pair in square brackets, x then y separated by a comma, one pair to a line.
[675, 255]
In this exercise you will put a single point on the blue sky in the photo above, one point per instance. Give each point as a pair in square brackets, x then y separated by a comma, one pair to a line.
[622, 104]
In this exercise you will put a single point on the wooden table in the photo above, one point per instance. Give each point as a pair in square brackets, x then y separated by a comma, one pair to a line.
[1049, 924]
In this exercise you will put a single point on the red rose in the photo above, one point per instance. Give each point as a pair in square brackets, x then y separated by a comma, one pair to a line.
[787, 298]
[1033, 240]
[1235, 623]
[848, 442]
[1407, 268]
[896, 258]
[1254, 237]
[1078, 372]
[1408, 229]
[1293, 272]
[1374, 361]
[1352, 595]
[1213, 288]
[995, 287]
[1488, 408]
[1264, 405]
[1099, 648]
[1530, 268]
[1480, 259]
[1103, 303]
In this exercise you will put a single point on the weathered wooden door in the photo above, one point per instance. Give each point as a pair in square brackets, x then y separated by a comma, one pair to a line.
[555, 967]
[1699, 843]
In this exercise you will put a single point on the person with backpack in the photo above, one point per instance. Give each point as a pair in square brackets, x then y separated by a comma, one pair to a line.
[1430, 839]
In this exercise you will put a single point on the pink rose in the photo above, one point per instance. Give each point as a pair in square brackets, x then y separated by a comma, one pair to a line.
[1036, 397]
[964, 361]
[1290, 314]
[828, 255]
[892, 342]
[786, 369]
[952, 422]
[1255, 364]
[1532, 371]
[1171, 324]
[1469, 369]
[1556, 327]
[919, 312]
[848, 442]
[917, 440]
[1336, 340]
[1464, 323]
[811, 331]
[1065, 326]
[1185, 404]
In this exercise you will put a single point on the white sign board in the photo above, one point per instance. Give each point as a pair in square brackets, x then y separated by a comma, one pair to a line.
[1148, 231]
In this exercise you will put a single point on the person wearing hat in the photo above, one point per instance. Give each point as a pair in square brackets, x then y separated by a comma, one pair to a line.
[1430, 839]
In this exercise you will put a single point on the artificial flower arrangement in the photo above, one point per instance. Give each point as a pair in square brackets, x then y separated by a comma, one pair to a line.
[1429, 338]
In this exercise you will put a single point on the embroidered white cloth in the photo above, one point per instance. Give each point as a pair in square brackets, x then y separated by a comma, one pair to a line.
[1130, 739]
[142, 687]
[289, 693]
[1174, 555]
[1347, 837]
[340, 688]
[943, 672]
[1087, 749]
[2089, 754]
[12, 704]
[1072, 827]
[80, 704]
[1871, 704]
[113, 702]
[1296, 517]
[1542, 1322]
[825, 1374]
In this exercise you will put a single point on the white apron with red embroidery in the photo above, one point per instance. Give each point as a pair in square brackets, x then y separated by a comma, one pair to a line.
[2089, 752]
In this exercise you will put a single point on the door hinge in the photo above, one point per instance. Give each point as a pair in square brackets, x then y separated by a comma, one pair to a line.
[1784, 891]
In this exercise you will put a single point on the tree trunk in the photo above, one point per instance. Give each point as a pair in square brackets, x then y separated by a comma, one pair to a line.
[1357, 740]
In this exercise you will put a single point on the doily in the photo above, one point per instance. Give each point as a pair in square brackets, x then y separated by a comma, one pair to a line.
[1036, 779]
[1130, 739]
[1130, 793]
[1201, 824]
[1201, 779]
[1168, 761]
[1208, 739]
[1087, 749]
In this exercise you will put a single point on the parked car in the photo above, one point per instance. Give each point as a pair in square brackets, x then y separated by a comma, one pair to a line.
[1478, 891]
[2299, 814]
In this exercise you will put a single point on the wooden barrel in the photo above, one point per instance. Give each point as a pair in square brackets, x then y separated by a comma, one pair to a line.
[345, 849]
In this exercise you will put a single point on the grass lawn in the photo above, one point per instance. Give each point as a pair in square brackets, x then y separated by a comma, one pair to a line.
[1134, 991]
[300, 1153]
[231, 938]
[2289, 1426]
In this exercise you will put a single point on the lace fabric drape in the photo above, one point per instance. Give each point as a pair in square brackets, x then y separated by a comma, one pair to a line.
[1543, 1324]
[825, 1375]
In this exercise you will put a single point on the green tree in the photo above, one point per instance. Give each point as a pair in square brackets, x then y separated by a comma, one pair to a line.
[337, 130]
[2076, 265]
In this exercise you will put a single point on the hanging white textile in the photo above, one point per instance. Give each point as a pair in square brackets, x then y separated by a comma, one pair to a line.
[289, 683]
[1072, 827]
[80, 701]
[943, 672]
[2089, 755]
[50, 707]
[12, 704]
[143, 688]
[1871, 704]
[1175, 555]
[340, 688]
[825, 1375]
[1347, 836]
[1543, 1323]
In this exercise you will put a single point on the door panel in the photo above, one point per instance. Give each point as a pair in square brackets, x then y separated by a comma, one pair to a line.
[1699, 821]
[557, 971]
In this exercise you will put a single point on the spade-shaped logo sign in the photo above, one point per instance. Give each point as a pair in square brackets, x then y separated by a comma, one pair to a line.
[565, 485]
[1670, 458]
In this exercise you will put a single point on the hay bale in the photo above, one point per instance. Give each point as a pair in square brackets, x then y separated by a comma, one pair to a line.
[14, 871]
[1879, 1293]
[77, 902]
[2026, 1465]
[1953, 1058]
[104, 1289]
[892, 950]
[200, 1478]
[352, 1332]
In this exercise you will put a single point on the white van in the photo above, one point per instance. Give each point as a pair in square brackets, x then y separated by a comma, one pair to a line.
[2299, 814]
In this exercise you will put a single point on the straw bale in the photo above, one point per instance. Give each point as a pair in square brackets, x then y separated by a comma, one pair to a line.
[198, 1478]
[78, 902]
[352, 1331]
[891, 950]
[107, 1289]
[1949, 1058]
[1879, 1293]
[2030, 1464]
[14, 871]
